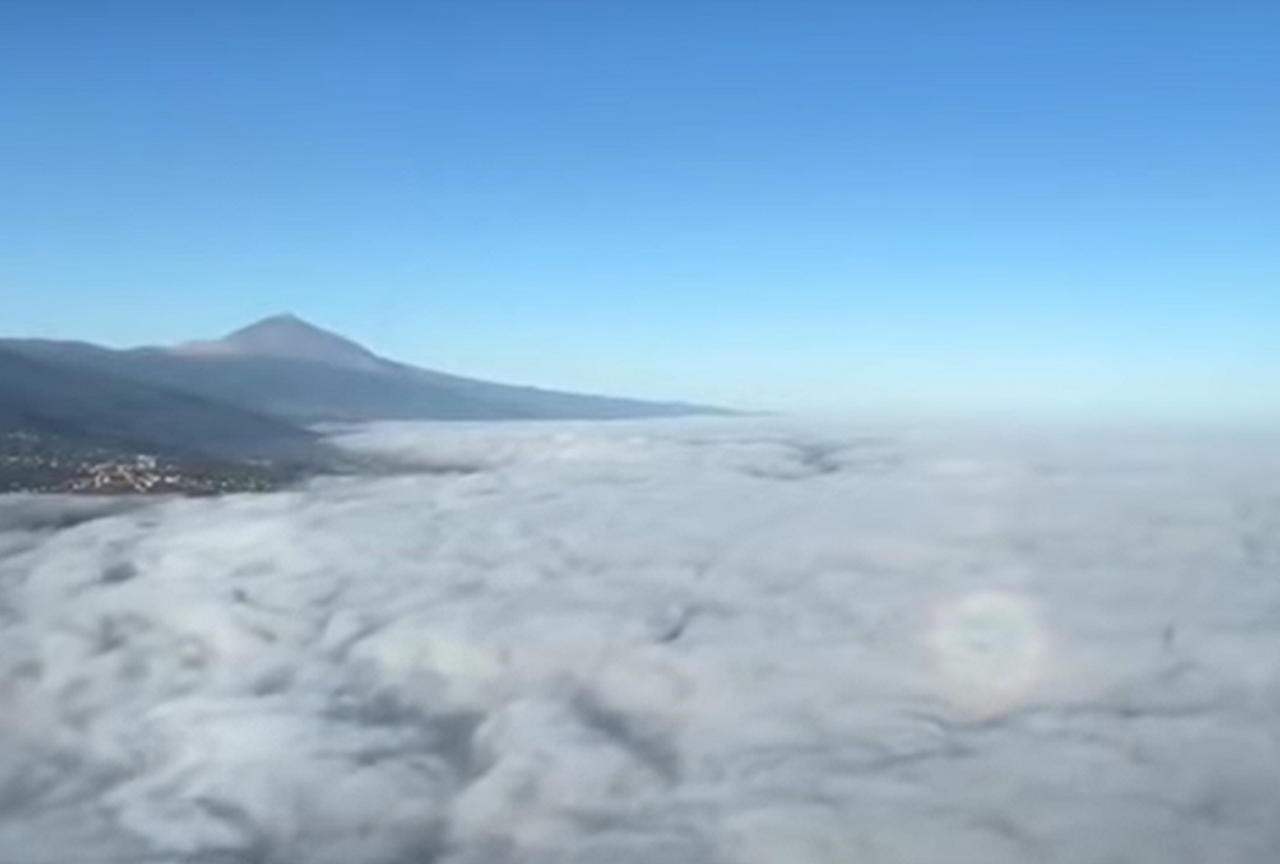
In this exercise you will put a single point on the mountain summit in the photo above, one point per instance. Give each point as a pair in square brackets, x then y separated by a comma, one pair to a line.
[291, 338]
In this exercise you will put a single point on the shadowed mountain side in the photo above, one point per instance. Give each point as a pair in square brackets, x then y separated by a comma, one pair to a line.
[84, 404]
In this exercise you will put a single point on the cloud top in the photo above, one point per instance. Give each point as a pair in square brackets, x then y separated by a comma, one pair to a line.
[734, 642]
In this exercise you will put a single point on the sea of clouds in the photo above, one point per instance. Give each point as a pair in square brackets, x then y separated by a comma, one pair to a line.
[730, 642]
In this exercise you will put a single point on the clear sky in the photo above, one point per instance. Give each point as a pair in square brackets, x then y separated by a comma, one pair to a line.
[1062, 205]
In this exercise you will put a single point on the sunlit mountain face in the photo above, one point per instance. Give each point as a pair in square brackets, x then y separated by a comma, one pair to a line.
[679, 641]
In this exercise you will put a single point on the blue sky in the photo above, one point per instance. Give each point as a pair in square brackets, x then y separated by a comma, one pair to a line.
[843, 207]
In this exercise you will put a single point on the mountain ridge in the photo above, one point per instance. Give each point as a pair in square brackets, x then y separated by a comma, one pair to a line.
[287, 368]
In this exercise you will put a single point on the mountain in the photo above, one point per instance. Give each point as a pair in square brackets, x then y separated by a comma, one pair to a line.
[287, 337]
[79, 405]
[297, 372]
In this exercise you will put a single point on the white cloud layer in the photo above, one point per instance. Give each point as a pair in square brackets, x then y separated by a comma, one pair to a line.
[730, 642]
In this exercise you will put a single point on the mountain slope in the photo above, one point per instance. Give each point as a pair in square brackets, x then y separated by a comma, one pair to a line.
[292, 370]
[81, 405]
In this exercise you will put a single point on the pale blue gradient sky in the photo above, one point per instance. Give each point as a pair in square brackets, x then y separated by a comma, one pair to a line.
[839, 207]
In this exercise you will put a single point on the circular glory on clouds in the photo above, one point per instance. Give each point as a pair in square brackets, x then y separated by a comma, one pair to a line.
[991, 648]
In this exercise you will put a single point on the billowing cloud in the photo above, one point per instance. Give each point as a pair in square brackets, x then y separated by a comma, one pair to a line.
[729, 642]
